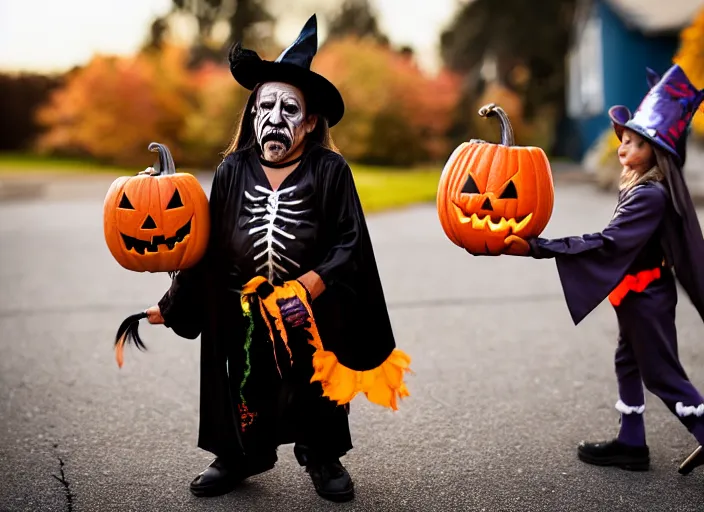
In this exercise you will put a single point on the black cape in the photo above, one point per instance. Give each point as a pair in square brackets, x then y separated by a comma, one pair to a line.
[313, 222]
[653, 221]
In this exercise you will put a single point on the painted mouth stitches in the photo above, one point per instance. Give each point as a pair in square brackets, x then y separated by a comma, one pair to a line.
[495, 222]
[142, 246]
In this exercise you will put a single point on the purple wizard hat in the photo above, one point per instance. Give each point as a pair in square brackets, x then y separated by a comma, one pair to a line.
[664, 115]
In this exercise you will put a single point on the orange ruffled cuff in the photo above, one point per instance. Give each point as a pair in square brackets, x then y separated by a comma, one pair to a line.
[382, 385]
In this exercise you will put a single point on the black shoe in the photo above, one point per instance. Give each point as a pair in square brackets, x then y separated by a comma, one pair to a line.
[615, 453]
[331, 480]
[695, 460]
[220, 478]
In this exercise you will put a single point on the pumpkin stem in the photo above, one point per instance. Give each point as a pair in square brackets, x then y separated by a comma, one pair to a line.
[492, 109]
[166, 162]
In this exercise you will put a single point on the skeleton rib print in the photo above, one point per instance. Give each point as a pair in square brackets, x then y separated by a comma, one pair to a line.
[272, 213]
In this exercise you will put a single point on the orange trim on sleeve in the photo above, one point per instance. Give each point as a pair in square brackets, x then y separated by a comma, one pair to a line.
[633, 283]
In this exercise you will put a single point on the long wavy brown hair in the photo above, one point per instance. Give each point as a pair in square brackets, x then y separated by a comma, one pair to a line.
[245, 137]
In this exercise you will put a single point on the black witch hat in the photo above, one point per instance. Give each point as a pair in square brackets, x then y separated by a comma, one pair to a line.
[292, 67]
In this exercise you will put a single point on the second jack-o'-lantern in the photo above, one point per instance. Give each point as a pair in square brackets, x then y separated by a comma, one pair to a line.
[492, 197]
[157, 221]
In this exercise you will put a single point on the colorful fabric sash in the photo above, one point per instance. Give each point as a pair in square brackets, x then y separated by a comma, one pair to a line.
[633, 283]
[382, 385]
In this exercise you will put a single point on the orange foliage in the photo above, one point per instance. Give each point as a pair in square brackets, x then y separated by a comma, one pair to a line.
[114, 107]
[691, 58]
[212, 122]
[383, 88]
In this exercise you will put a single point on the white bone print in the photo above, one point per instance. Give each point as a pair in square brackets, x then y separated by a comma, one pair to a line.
[266, 210]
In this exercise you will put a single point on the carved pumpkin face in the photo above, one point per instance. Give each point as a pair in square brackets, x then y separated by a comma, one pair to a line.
[157, 222]
[491, 196]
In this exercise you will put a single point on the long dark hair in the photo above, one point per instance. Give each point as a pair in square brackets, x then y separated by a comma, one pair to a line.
[674, 177]
[245, 137]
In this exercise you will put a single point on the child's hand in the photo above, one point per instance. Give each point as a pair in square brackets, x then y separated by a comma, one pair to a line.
[517, 246]
[154, 315]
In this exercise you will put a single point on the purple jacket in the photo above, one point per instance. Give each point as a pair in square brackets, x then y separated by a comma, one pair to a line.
[591, 266]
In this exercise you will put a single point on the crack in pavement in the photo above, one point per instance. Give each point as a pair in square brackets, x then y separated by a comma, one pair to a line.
[64, 482]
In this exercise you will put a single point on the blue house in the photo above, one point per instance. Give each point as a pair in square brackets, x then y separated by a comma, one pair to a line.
[613, 42]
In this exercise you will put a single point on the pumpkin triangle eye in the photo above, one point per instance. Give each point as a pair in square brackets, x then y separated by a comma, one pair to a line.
[125, 203]
[509, 192]
[175, 201]
[149, 223]
[470, 186]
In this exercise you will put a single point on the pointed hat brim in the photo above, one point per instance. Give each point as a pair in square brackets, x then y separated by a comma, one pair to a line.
[292, 67]
[322, 97]
[621, 119]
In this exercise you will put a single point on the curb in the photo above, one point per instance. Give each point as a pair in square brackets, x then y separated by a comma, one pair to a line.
[58, 187]
[79, 186]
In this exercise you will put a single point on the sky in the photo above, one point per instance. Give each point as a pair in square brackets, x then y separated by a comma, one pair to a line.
[54, 35]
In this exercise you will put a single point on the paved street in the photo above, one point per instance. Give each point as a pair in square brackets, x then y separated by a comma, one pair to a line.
[504, 385]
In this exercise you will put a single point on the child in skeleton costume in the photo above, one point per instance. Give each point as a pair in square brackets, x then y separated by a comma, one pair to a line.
[288, 300]
[654, 229]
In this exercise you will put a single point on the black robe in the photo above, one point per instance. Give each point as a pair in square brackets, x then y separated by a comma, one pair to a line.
[313, 222]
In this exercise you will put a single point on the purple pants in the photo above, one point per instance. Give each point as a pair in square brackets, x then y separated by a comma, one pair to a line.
[647, 355]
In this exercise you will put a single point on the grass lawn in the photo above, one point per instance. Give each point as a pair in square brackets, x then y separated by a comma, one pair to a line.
[383, 188]
[380, 188]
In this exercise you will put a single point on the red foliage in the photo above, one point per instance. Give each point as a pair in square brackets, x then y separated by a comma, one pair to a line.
[114, 107]
[380, 85]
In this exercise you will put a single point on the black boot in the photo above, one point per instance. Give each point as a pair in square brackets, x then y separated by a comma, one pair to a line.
[695, 460]
[331, 480]
[222, 476]
[615, 453]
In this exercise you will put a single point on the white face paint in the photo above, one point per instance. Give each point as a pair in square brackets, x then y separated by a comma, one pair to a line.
[279, 120]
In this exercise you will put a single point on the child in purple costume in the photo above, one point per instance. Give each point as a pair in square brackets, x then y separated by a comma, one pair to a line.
[653, 231]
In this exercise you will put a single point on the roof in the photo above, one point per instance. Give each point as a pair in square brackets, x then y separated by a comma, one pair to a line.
[656, 16]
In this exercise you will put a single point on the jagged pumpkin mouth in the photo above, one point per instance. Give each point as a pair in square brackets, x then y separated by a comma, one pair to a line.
[493, 222]
[158, 243]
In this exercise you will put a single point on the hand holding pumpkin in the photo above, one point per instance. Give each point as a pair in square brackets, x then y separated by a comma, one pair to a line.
[517, 246]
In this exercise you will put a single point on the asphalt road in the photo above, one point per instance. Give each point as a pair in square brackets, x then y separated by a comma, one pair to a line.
[504, 385]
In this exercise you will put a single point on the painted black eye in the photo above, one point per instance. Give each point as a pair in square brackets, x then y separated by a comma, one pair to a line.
[125, 203]
[470, 186]
[509, 192]
[175, 201]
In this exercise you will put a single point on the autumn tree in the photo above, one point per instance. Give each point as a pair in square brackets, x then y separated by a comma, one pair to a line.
[355, 18]
[212, 121]
[690, 57]
[527, 41]
[20, 96]
[248, 21]
[112, 108]
[394, 113]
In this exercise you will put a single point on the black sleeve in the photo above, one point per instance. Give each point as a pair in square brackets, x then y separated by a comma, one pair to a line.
[632, 225]
[343, 210]
[591, 266]
[183, 305]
